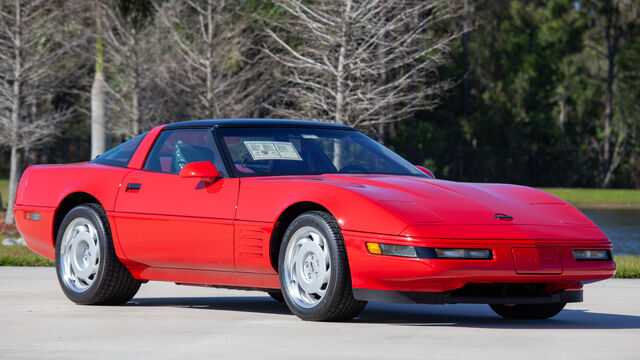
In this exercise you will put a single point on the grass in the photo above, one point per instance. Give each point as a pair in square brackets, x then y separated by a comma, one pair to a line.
[4, 191]
[17, 255]
[598, 198]
[20, 255]
[628, 267]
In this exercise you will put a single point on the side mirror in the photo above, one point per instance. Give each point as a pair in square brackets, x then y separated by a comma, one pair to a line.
[200, 169]
[426, 171]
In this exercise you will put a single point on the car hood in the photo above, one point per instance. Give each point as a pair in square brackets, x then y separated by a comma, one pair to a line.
[421, 200]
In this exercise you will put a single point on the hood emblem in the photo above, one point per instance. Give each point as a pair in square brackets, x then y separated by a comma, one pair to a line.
[501, 216]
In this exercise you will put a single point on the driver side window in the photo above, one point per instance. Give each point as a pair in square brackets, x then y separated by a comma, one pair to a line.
[175, 148]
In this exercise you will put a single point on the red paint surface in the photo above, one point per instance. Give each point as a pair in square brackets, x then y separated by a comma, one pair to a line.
[177, 222]
[537, 260]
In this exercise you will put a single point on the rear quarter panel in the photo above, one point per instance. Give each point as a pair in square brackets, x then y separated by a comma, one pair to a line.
[43, 187]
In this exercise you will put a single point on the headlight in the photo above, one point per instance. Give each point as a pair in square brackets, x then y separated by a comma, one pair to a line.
[428, 253]
[592, 254]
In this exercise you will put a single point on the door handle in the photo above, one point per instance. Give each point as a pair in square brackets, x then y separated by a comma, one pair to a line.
[133, 187]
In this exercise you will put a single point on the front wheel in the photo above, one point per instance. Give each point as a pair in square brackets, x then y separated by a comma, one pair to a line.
[528, 311]
[314, 270]
[88, 269]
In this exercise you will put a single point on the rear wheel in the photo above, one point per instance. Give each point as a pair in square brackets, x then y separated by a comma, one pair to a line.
[528, 311]
[88, 269]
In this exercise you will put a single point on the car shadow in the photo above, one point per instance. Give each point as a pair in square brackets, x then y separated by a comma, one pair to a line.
[258, 304]
[481, 316]
[459, 315]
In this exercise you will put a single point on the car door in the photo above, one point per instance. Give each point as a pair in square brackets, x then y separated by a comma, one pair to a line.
[163, 220]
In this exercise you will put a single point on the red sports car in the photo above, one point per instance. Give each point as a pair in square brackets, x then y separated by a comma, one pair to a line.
[315, 214]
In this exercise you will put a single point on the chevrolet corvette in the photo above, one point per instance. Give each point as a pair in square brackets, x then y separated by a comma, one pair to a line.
[317, 215]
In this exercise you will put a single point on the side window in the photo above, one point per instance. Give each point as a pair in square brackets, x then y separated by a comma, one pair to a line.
[121, 154]
[175, 148]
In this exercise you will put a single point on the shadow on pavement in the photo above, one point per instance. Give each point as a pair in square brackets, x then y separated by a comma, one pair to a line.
[481, 316]
[257, 304]
[460, 315]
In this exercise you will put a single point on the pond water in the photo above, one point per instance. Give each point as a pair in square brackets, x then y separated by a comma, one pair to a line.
[621, 225]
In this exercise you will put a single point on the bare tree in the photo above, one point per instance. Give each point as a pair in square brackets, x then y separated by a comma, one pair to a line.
[361, 62]
[217, 65]
[131, 52]
[29, 54]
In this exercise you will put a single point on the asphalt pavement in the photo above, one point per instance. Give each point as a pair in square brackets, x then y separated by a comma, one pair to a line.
[166, 321]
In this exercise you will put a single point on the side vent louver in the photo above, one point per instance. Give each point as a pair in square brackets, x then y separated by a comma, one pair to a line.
[251, 243]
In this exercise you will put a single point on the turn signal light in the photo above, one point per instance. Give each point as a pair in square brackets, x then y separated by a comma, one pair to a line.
[374, 248]
[32, 216]
[392, 250]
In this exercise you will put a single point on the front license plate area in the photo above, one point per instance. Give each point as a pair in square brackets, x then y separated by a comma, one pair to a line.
[537, 260]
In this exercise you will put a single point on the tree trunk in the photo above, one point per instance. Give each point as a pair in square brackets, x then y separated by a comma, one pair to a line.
[606, 151]
[465, 55]
[98, 99]
[612, 48]
[382, 136]
[14, 178]
[16, 112]
[608, 116]
[135, 96]
[98, 115]
[340, 76]
[135, 108]
[411, 137]
[210, 65]
[340, 86]
[337, 154]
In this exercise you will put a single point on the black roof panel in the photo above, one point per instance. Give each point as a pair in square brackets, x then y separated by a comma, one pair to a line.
[224, 123]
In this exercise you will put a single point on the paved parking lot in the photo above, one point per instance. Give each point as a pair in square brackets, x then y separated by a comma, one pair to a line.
[166, 321]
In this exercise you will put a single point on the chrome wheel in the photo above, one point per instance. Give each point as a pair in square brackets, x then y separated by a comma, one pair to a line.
[87, 266]
[307, 267]
[79, 254]
[314, 269]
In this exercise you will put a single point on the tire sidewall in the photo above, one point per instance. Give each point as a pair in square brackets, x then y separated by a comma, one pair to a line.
[84, 297]
[320, 224]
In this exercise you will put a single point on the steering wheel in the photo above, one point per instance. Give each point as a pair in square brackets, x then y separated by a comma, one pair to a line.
[354, 169]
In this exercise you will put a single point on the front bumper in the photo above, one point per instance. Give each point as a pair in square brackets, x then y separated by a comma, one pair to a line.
[428, 276]
[474, 294]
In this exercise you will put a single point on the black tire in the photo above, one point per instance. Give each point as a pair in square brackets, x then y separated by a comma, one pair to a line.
[276, 295]
[337, 303]
[112, 283]
[528, 311]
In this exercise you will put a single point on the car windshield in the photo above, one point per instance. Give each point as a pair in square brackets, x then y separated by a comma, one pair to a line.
[304, 151]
